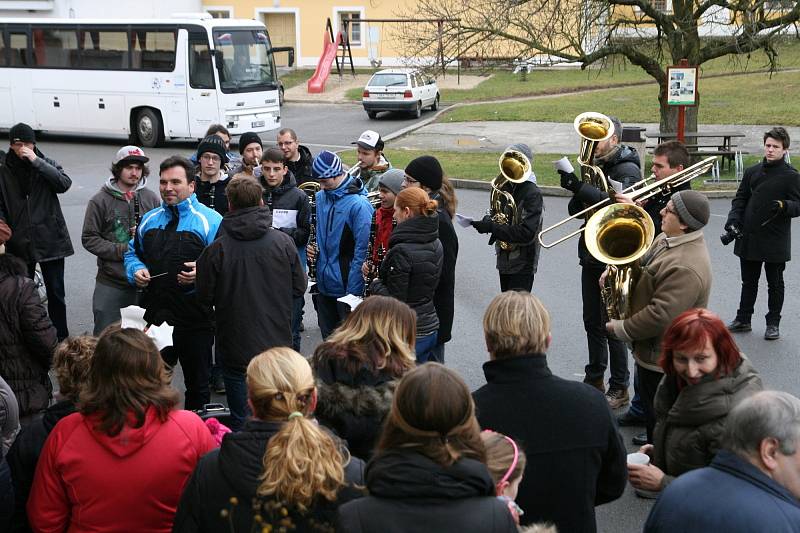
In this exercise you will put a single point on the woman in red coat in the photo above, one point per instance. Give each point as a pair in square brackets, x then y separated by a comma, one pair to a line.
[121, 462]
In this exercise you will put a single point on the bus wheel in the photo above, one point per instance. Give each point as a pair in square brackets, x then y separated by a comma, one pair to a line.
[148, 128]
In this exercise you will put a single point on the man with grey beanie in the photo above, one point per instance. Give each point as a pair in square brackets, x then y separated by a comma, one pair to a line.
[675, 277]
[390, 183]
[515, 242]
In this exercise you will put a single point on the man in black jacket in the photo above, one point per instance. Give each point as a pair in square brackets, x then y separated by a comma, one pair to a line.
[621, 164]
[298, 157]
[29, 183]
[767, 199]
[518, 260]
[575, 456]
[253, 312]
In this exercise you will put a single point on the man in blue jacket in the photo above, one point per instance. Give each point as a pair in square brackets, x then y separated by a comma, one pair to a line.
[161, 261]
[343, 220]
[752, 485]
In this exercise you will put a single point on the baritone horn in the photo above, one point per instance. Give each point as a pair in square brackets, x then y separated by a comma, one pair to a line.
[593, 128]
[515, 167]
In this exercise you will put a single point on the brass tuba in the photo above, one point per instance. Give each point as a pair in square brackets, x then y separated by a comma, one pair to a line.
[619, 235]
[515, 167]
[593, 128]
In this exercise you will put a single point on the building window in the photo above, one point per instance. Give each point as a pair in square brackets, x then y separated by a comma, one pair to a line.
[354, 26]
[220, 13]
[664, 6]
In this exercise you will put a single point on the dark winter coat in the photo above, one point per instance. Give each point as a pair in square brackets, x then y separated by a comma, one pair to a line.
[408, 492]
[251, 274]
[24, 455]
[444, 298]
[411, 269]
[576, 457]
[27, 337]
[302, 167]
[353, 404]
[523, 258]
[730, 495]
[166, 239]
[620, 165]
[287, 197]
[690, 421]
[233, 470]
[765, 238]
[213, 195]
[658, 202]
[29, 205]
[107, 226]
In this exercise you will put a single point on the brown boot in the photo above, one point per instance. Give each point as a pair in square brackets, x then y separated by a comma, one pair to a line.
[617, 397]
[596, 383]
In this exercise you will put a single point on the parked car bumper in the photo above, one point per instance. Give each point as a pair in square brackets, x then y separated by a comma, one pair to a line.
[388, 105]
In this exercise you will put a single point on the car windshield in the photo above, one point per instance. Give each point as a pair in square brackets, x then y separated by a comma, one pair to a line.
[246, 62]
[388, 80]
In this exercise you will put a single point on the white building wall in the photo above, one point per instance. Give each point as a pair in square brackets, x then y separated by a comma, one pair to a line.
[104, 9]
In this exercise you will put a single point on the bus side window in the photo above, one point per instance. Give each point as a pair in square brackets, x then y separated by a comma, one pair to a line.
[56, 48]
[104, 50]
[18, 49]
[201, 74]
[153, 50]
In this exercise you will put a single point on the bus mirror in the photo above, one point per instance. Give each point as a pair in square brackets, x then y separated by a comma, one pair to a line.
[289, 49]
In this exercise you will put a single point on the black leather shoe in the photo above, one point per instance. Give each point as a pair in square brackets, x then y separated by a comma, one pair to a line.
[772, 333]
[739, 327]
[640, 440]
[628, 419]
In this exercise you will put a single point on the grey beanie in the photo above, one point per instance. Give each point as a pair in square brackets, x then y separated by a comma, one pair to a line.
[524, 148]
[618, 128]
[692, 207]
[392, 179]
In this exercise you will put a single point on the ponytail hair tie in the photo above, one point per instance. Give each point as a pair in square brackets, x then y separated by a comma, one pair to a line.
[295, 414]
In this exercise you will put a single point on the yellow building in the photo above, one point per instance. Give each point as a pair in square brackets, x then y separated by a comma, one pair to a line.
[301, 24]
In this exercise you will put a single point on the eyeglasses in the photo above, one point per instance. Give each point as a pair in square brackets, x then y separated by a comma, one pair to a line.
[210, 158]
[408, 179]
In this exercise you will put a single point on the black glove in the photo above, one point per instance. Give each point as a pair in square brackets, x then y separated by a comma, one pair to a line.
[485, 225]
[777, 206]
[730, 226]
[570, 181]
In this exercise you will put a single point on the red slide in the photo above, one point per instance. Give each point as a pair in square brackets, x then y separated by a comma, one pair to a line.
[316, 84]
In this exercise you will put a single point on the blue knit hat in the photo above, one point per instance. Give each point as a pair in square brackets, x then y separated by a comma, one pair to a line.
[326, 165]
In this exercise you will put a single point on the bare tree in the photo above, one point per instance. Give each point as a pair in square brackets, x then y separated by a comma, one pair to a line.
[650, 34]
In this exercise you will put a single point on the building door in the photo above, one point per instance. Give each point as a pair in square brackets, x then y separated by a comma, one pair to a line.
[281, 32]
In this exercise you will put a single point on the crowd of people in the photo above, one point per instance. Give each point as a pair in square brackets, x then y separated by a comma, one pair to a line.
[373, 432]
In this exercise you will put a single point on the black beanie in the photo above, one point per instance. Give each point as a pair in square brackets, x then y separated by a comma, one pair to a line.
[249, 137]
[426, 170]
[215, 145]
[21, 132]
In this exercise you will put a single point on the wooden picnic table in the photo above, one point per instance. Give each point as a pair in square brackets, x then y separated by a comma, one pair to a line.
[707, 143]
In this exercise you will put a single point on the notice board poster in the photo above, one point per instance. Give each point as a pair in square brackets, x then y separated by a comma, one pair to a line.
[682, 86]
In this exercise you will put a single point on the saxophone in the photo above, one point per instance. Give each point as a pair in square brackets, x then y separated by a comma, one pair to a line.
[311, 188]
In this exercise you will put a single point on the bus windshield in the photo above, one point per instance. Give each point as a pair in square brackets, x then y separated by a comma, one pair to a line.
[246, 63]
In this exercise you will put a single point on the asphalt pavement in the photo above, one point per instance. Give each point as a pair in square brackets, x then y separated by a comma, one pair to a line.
[557, 281]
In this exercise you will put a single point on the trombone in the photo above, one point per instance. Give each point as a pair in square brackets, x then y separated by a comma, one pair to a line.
[639, 191]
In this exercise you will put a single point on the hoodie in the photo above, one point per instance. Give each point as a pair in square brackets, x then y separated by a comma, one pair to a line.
[372, 175]
[110, 221]
[89, 481]
[302, 167]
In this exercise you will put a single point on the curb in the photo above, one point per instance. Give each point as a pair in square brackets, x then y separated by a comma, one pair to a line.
[549, 190]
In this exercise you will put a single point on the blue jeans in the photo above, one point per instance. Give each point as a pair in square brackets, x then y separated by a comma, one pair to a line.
[236, 392]
[424, 348]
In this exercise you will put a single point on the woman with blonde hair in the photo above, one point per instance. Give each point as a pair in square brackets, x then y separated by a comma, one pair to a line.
[429, 470]
[281, 469]
[358, 367]
[410, 272]
[120, 463]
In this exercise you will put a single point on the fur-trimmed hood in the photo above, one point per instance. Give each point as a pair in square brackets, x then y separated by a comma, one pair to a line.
[337, 399]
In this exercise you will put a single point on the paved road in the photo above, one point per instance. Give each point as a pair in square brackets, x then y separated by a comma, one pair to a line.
[556, 284]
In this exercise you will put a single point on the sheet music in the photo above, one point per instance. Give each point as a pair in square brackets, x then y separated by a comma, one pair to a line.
[284, 218]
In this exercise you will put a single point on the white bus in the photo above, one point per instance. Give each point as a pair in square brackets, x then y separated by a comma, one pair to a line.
[150, 79]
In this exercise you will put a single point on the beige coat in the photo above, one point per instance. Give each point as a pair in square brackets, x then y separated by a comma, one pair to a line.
[675, 277]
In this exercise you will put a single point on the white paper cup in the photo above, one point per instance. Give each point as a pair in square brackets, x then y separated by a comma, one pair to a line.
[638, 459]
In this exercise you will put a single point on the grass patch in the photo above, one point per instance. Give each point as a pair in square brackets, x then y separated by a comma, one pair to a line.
[483, 165]
[747, 99]
[296, 77]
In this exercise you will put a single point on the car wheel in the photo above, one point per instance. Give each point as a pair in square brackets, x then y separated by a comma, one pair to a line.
[418, 110]
[372, 114]
[148, 128]
[435, 104]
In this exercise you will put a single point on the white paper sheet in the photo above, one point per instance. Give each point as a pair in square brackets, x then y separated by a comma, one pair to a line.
[133, 317]
[350, 299]
[284, 218]
[564, 165]
[616, 185]
[463, 221]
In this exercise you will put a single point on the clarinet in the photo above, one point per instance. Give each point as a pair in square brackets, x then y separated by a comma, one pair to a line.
[371, 270]
[312, 239]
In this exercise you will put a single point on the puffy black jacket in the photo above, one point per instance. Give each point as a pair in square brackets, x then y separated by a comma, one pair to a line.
[621, 165]
[27, 337]
[302, 167]
[233, 470]
[213, 195]
[765, 238]
[411, 269]
[251, 273]
[353, 404]
[24, 454]
[289, 198]
[444, 299]
[524, 257]
[409, 492]
[29, 205]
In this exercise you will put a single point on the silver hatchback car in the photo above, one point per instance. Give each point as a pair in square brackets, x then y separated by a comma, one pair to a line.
[405, 90]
